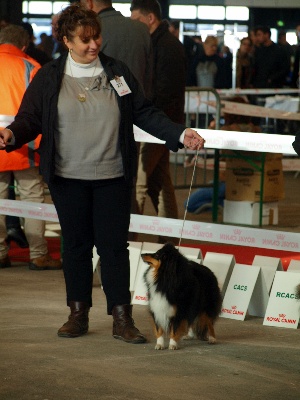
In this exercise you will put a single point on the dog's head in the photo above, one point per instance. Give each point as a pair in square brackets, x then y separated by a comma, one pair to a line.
[165, 256]
[165, 266]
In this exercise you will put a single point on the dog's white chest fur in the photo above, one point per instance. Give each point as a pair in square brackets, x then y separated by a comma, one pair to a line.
[159, 304]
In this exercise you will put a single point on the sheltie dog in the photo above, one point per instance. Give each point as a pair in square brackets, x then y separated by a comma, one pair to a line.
[184, 297]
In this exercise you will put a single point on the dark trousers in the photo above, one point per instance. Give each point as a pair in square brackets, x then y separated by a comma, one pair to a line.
[11, 220]
[94, 213]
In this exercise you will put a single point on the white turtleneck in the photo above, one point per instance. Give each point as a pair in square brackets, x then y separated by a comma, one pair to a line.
[77, 70]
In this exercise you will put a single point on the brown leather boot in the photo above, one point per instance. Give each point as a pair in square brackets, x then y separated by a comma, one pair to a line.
[123, 325]
[78, 322]
[45, 262]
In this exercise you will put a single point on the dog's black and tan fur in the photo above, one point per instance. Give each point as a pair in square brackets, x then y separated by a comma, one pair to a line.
[184, 297]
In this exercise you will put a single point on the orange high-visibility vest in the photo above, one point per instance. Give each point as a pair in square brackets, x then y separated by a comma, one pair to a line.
[17, 70]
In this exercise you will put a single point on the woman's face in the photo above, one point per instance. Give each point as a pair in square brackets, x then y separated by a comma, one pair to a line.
[210, 48]
[84, 45]
[245, 46]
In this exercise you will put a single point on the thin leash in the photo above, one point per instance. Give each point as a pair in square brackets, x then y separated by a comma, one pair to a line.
[189, 195]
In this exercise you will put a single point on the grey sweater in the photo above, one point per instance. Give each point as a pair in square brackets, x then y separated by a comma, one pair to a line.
[87, 140]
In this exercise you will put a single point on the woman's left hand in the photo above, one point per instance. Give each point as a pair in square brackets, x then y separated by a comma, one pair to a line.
[192, 140]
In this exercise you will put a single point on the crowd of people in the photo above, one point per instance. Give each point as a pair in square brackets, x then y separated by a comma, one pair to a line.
[260, 62]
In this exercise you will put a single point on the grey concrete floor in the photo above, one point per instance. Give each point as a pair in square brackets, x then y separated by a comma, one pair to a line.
[250, 361]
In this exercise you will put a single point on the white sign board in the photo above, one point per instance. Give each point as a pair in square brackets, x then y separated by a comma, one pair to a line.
[269, 266]
[140, 295]
[239, 291]
[294, 266]
[221, 265]
[191, 253]
[134, 256]
[260, 297]
[284, 307]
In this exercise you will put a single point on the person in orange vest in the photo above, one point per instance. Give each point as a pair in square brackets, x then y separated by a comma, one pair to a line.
[17, 70]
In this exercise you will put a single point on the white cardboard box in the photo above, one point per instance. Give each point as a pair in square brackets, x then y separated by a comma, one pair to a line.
[247, 212]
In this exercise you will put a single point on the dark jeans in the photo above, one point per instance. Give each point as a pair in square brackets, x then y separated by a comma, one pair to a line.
[94, 213]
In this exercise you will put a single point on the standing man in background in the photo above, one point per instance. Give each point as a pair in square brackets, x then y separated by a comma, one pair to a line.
[168, 88]
[271, 64]
[125, 40]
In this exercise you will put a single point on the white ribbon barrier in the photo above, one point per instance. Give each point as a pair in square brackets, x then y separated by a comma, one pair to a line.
[233, 140]
[208, 232]
[26, 209]
[217, 233]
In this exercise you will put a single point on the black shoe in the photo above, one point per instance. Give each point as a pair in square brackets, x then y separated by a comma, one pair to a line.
[18, 236]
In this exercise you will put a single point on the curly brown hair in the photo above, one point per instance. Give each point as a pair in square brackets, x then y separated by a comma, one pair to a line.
[75, 16]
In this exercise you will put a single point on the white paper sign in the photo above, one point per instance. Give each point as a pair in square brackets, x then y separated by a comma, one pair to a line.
[269, 266]
[221, 265]
[284, 307]
[239, 291]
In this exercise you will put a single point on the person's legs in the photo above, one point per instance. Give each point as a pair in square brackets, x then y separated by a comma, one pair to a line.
[95, 212]
[11, 220]
[133, 236]
[13, 225]
[111, 218]
[149, 156]
[31, 188]
[112, 200]
[4, 183]
[73, 202]
[72, 199]
[161, 190]
[167, 204]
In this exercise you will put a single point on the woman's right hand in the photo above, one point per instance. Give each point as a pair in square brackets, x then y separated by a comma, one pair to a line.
[5, 137]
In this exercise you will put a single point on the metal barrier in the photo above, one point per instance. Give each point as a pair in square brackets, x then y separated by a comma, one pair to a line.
[197, 114]
[200, 104]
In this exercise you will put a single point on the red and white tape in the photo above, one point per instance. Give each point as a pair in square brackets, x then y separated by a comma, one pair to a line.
[202, 231]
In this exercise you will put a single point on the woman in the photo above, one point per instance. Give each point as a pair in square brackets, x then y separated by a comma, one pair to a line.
[85, 104]
[244, 64]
